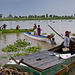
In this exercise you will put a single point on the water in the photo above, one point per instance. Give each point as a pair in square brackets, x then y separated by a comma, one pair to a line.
[9, 38]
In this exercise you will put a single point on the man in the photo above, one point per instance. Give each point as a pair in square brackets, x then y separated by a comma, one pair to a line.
[39, 30]
[4, 26]
[67, 40]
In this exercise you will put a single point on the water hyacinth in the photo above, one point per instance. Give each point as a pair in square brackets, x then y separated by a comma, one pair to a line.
[33, 49]
[21, 43]
[17, 48]
[10, 48]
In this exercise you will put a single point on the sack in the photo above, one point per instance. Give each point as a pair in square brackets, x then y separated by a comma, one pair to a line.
[65, 49]
[32, 33]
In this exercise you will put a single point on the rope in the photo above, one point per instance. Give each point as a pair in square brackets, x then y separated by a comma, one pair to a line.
[66, 67]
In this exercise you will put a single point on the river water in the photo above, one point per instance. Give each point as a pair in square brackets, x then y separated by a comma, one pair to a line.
[9, 38]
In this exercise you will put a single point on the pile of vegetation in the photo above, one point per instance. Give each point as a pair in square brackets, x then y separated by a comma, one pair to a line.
[15, 31]
[20, 47]
[73, 34]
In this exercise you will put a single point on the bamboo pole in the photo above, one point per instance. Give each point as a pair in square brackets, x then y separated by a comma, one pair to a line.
[56, 32]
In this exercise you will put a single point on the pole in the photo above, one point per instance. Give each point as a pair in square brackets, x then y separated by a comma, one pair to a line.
[56, 32]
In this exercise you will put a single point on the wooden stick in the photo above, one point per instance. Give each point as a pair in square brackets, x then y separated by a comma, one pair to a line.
[26, 73]
[55, 32]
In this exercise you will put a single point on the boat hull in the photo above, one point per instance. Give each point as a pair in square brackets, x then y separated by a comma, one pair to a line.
[36, 37]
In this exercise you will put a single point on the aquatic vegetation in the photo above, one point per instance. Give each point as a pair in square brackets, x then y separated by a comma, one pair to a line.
[53, 21]
[17, 48]
[15, 31]
[44, 33]
[73, 34]
[19, 54]
[52, 34]
[10, 48]
[21, 43]
[29, 50]
[33, 49]
[5, 57]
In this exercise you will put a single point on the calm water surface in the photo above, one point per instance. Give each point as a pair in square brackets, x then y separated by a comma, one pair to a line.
[59, 25]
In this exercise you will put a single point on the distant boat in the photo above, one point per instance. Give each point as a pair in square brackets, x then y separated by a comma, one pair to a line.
[35, 36]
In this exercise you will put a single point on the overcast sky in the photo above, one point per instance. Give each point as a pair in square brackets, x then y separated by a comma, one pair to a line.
[37, 7]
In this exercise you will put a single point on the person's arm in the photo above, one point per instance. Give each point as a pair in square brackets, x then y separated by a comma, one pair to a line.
[72, 40]
[50, 40]
[65, 42]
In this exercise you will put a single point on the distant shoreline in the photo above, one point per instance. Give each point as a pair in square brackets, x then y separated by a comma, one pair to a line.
[16, 19]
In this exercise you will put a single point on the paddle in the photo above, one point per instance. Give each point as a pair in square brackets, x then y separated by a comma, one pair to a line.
[56, 32]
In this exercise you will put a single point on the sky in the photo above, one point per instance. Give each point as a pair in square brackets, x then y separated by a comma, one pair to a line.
[37, 7]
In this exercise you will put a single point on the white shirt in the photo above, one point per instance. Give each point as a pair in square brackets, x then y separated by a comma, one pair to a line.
[67, 41]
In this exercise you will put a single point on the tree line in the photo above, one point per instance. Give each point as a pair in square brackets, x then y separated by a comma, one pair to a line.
[46, 16]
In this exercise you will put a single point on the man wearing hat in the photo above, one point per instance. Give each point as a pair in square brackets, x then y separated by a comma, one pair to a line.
[67, 39]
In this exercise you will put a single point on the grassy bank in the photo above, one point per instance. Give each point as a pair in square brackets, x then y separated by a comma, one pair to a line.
[15, 31]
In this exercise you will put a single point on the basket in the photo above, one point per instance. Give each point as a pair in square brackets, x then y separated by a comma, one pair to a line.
[65, 49]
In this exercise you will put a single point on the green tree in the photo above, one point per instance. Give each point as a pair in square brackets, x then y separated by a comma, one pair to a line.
[43, 16]
[74, 15]
[0, 15]
[15, 17]
[46, 15]
[50, 15]
[10, 16]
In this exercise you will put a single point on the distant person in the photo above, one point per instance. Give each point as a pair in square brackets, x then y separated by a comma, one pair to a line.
[27, 30]
[35, 26]
[17, 27]
[52, 40]
[38, 30]
[4, 26]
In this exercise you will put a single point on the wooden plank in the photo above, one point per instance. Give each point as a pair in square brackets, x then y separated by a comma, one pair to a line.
[42, 61]
[49, 64]
[45, 61]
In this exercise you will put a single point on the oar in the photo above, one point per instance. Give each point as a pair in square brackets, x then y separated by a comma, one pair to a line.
[56, 32]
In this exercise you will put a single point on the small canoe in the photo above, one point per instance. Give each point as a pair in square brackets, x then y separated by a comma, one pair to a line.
[35, 36]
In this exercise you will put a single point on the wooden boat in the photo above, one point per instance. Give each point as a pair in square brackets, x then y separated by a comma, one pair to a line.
[35, 36]
[47, 62]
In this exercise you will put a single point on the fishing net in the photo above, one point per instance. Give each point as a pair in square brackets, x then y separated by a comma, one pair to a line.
[16, 70]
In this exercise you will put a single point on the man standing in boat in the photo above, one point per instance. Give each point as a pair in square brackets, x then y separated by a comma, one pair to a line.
[67, 40]
[39, 30]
